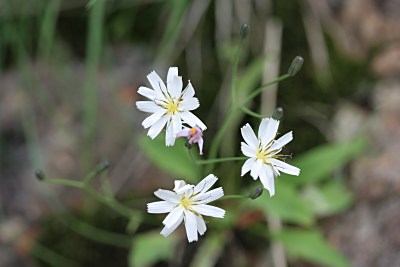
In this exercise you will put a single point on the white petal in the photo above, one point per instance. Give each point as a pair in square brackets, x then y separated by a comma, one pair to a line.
[255, 169]
[248, 150]
[282, 141]
[208, 210]
[192, 120]
[201, 225]
[147, 92]
[268, 129]
[148, 106]
[166, 231]
[267, 179]
[188, 92]
[191, 226]
[173, 216]
[172, 71]
[157, 84]
[167, 195]
[175, 87]
[248, 165]
[205, 184]
[284, 167]
[160, 207]
[189, 104]
[200, 143]
[209, 196]
[156, 128]
[249, 136]
[183, 189]
[152, 119]
[169, 135]
[177, 123]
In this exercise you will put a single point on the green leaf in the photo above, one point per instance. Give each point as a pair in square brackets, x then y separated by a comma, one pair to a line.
[287, 204]
[310, 245]
[174, 160]
[150, 248]
[317, 164]
[212, 247]
[330, 198]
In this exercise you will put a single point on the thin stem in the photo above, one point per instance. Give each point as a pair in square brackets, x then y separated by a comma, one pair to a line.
[65, 182]
[106, 185]
[220, 134]
[212, 161]
[93, 49]
[260, 89]
[234, 74]
[99, 235]
[233, 197]
[251, 113]
[194, 161]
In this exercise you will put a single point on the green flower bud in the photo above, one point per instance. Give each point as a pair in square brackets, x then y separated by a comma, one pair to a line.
[102, 166]
[40, 175]
[278, 113]
[244, 31]
[256, 193]
[296, 65]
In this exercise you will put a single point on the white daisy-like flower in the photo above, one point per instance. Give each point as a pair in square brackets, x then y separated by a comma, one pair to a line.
[169, 104]
[263, 152]
[188, 203]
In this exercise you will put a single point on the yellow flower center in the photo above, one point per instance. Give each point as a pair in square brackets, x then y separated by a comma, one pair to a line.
[172, 106]
[262, 155]
[186, 203]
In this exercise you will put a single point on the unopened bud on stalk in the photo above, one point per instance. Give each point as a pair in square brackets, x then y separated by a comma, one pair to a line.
[40, 175]
[244, 30]
[295, 67]
[256, 193]
[102, 166]
[188, 145]
[278, 113]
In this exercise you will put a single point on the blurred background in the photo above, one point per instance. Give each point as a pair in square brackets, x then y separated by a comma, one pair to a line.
[69, 72]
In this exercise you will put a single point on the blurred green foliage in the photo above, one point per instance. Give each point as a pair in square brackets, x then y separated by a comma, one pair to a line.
[57, 32]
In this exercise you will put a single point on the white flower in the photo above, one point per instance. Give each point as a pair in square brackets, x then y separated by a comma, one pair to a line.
[188, 203]
[263, 152]
[169, 104]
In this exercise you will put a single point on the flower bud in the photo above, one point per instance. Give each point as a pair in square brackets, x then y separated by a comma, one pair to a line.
[278, 113]
[102, 166]
[188, 145]
[244, 31]
[40, 175]
[256, 193]
[295, 67]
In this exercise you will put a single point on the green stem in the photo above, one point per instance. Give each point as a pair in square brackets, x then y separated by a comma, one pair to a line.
[99, 235]
[211, 161]
[260, 89]
[194, 161]
[65, 182]
[93, 50]
[233, 197]
[251, 113]
[51, 257]
[220, 134]
[234, 74]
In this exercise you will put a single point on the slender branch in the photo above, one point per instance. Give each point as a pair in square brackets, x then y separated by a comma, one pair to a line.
[212, 161]
[260, 89]
[251, 113]
[233, 197]
[66, 182]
